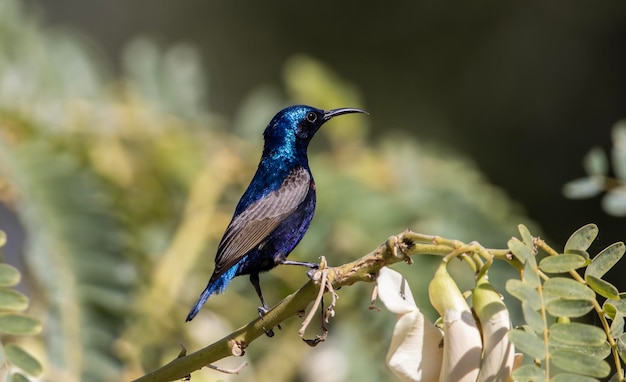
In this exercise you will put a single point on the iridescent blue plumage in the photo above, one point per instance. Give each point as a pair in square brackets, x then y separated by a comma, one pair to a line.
[276, 209]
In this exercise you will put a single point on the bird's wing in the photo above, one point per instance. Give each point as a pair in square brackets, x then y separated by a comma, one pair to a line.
[255, 223]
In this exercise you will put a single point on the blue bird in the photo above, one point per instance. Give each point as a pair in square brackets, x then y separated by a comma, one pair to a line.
[275, 211]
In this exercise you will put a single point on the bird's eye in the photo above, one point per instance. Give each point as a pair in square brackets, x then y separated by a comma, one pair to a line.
[311, 117]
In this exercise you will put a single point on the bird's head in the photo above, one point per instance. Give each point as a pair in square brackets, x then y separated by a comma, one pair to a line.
[292, 128]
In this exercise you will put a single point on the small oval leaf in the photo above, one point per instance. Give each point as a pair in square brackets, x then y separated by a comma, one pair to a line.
[603, 288]
[562, 263]
[22, 359]
[582, 238]
[617, 326]
[529, 343]
[614, 202]
[9, 275]
[3, 238]
[530, 273]
[567, 377]
[583, 188]
[596, 162]
[12, 300]
[599, 351]
[580, 363]
[19, 324]
[621, 346]
[605, 260]
[524, 292]
[612, 307]
[618, 152]
[528, 373]
[569, 308]
[521, 251]
[527, 238]
[568, 289]
[533, 318]
[577, 334]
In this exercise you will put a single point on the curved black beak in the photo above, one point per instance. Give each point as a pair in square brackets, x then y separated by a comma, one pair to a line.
[346, 110]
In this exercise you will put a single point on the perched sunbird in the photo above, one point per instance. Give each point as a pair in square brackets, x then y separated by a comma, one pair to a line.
[275, 211]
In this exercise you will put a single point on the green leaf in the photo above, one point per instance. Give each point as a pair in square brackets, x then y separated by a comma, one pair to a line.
[621, 347]
[580, 363]
[562, 263]
[9, 275]
[568, 377]
[529, 343]
[596, 162]
[617, 325]
[583, 188]
[598, 351]
[533, 317]
[612, 307]
[618, 152]
[17, 377]
[603, 288]
[605, 260]
[614, 201]
[22, 359]
[528, 373]
[568, 289]
[3, 238]
[12, 300]
[577, 334]
[582, 238]
[569, 308]
[527, 238]
[524, 292]
[521, 251]
[19, 324]
[530, 274]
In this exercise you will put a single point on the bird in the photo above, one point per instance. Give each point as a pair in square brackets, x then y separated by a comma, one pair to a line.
[276, 209]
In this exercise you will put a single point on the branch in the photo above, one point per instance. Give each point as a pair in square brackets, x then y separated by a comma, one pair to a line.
[397, 248]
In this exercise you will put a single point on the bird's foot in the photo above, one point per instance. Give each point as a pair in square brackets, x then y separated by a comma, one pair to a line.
[262, 312]
[315, 272]
[281, 259]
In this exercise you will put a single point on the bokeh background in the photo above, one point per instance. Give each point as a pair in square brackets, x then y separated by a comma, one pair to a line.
[128, 131]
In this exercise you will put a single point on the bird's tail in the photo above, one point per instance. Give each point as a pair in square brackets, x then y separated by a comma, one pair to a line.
[214, 286]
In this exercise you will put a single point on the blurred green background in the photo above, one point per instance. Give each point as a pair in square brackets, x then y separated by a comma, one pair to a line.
[128, 131]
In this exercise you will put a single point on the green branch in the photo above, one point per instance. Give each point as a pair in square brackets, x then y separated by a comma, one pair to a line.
[397, 248]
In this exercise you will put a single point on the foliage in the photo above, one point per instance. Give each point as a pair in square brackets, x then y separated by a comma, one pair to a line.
[549, 304]
[599, 180]
[13, 324]
[559, 347]
[124, 185]
[469, 343]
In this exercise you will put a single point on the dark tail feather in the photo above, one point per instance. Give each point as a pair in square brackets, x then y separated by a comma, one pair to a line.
[214, 286]
[206, 293]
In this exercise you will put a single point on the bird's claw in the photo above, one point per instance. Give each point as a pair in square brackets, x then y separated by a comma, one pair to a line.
[262, 312]
[269, 333]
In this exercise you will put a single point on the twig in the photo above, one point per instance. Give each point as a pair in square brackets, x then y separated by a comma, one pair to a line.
[373, 299]
[316, 303]
[228, 371]
[397, 248]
